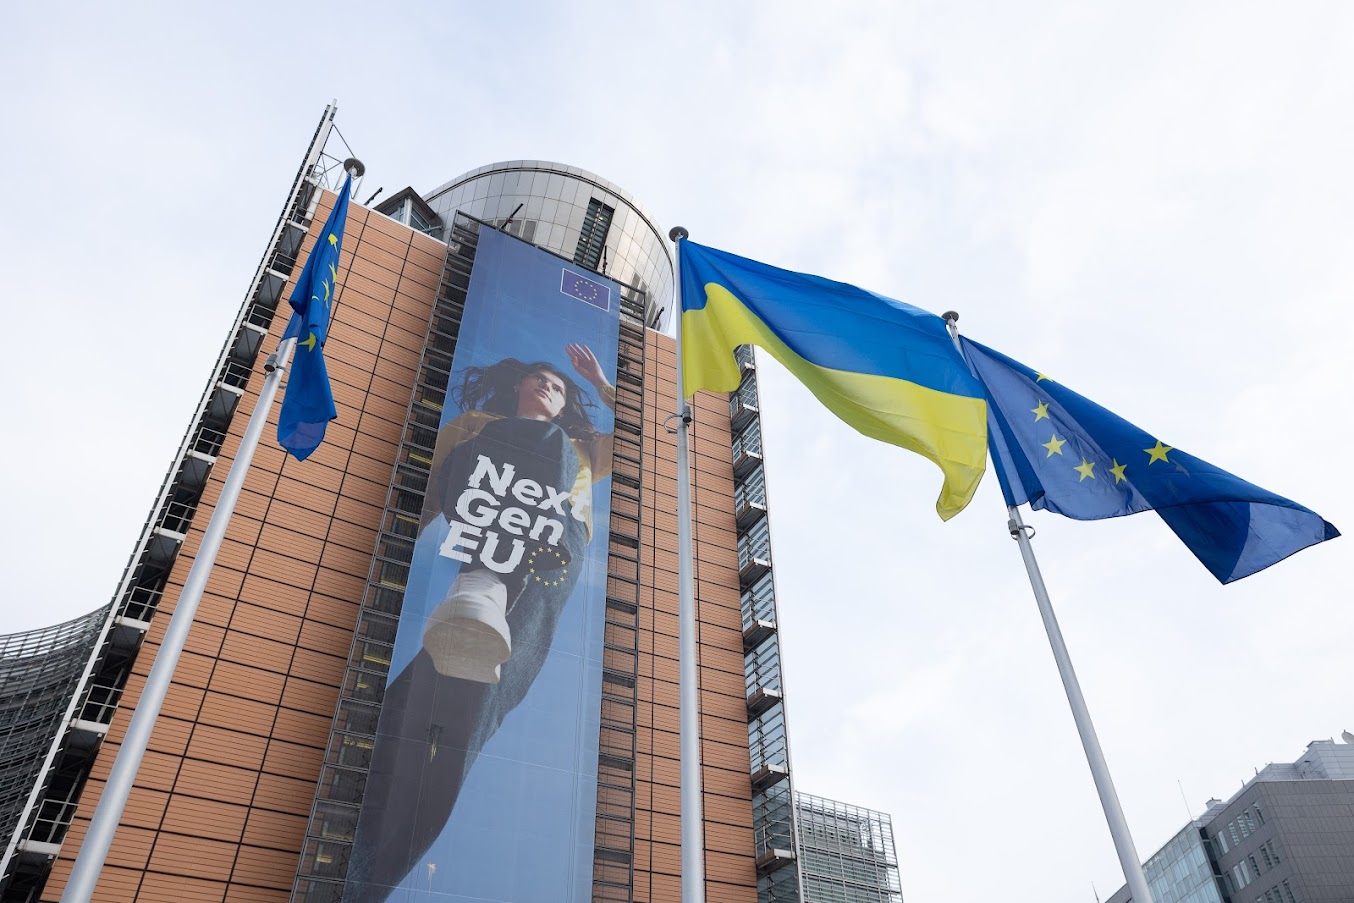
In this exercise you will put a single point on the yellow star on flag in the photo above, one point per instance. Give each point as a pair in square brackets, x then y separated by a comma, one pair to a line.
[333, 239]
[309, 343]
[1039, 377]
[1118, 471]
[1158, 453]
[1040, 412]
[1086, 469]
[1054, 446]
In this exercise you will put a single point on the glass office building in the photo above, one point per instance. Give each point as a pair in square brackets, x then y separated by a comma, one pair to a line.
[255, 777]
[1287, 836]
[847, 852]
[40, 671]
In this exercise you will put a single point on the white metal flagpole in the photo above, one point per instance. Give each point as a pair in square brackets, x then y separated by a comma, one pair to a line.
[94, 849]
[1095, 756]
[693, 821]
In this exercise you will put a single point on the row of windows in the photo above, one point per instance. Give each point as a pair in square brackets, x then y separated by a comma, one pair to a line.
[766, 739]
[751, 490]
[1244, 825]
[830, 891]
[761, 666]
[759, 602]
[857, 863]
[1279, 893]
[1248, 869]
[755, 543]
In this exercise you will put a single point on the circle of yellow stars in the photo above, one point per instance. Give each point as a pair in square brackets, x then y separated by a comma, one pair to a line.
[586, 290]
[1086, 468]
[531, 566]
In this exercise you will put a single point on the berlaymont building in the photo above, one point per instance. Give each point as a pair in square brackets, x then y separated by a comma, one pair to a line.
[330, 733]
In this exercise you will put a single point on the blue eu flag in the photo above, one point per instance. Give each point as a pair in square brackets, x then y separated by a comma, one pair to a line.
[1058, 451]
[308, 405]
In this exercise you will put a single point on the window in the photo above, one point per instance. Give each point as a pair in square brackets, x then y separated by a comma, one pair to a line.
[400, 212]
[592, 235]
[417, 221]
[1221, 841]
[1273, 853]
[1288, 893]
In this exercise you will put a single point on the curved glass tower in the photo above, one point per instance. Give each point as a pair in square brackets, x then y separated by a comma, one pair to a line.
[574, 213]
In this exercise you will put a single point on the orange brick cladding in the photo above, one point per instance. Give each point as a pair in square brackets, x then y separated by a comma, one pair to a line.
[219, 808]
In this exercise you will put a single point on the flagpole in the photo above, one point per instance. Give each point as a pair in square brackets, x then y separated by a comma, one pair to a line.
[1095, 756]
[693, 839]
[94, 850]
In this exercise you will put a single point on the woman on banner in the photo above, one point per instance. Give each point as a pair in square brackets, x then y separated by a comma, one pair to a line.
[513, 476]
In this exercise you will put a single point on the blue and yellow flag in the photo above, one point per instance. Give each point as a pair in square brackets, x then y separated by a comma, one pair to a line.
[308, 405]
[1058, 451]
[888, 369]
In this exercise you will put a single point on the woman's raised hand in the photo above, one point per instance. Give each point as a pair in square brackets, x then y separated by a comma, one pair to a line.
[585, 363]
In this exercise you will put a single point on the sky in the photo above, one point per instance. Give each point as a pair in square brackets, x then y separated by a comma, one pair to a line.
[1149, 202]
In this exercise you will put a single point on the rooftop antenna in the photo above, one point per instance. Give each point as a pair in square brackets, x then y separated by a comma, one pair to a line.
[508, 222]
[367, 202]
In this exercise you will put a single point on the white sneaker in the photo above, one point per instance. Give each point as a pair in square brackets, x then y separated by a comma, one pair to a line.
[467, 635]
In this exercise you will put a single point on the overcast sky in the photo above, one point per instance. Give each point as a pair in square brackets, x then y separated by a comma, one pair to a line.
[1150, 202]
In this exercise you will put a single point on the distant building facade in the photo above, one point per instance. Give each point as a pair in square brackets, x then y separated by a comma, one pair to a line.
[1286, 837]
[847, 853]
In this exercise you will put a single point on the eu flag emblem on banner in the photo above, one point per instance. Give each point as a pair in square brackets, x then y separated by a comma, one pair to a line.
[308, 405]
[888, 369]
[1056, 450]
[585, 289]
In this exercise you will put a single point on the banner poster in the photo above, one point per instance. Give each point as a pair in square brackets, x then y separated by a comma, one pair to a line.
[483, 779]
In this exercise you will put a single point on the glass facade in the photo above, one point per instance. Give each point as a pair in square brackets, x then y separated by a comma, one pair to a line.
[847, 853]
[1180, 872]
[40, 671]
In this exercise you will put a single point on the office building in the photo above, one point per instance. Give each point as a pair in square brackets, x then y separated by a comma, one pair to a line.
[1287, 836]
[253, 787]
[846, 853]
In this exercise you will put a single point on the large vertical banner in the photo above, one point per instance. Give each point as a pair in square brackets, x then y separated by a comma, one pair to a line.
[483, 778]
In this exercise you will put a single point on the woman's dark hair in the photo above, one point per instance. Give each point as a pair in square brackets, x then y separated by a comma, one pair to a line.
[493, 389]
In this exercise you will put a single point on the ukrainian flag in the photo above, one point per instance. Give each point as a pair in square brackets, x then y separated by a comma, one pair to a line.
[888, 369]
